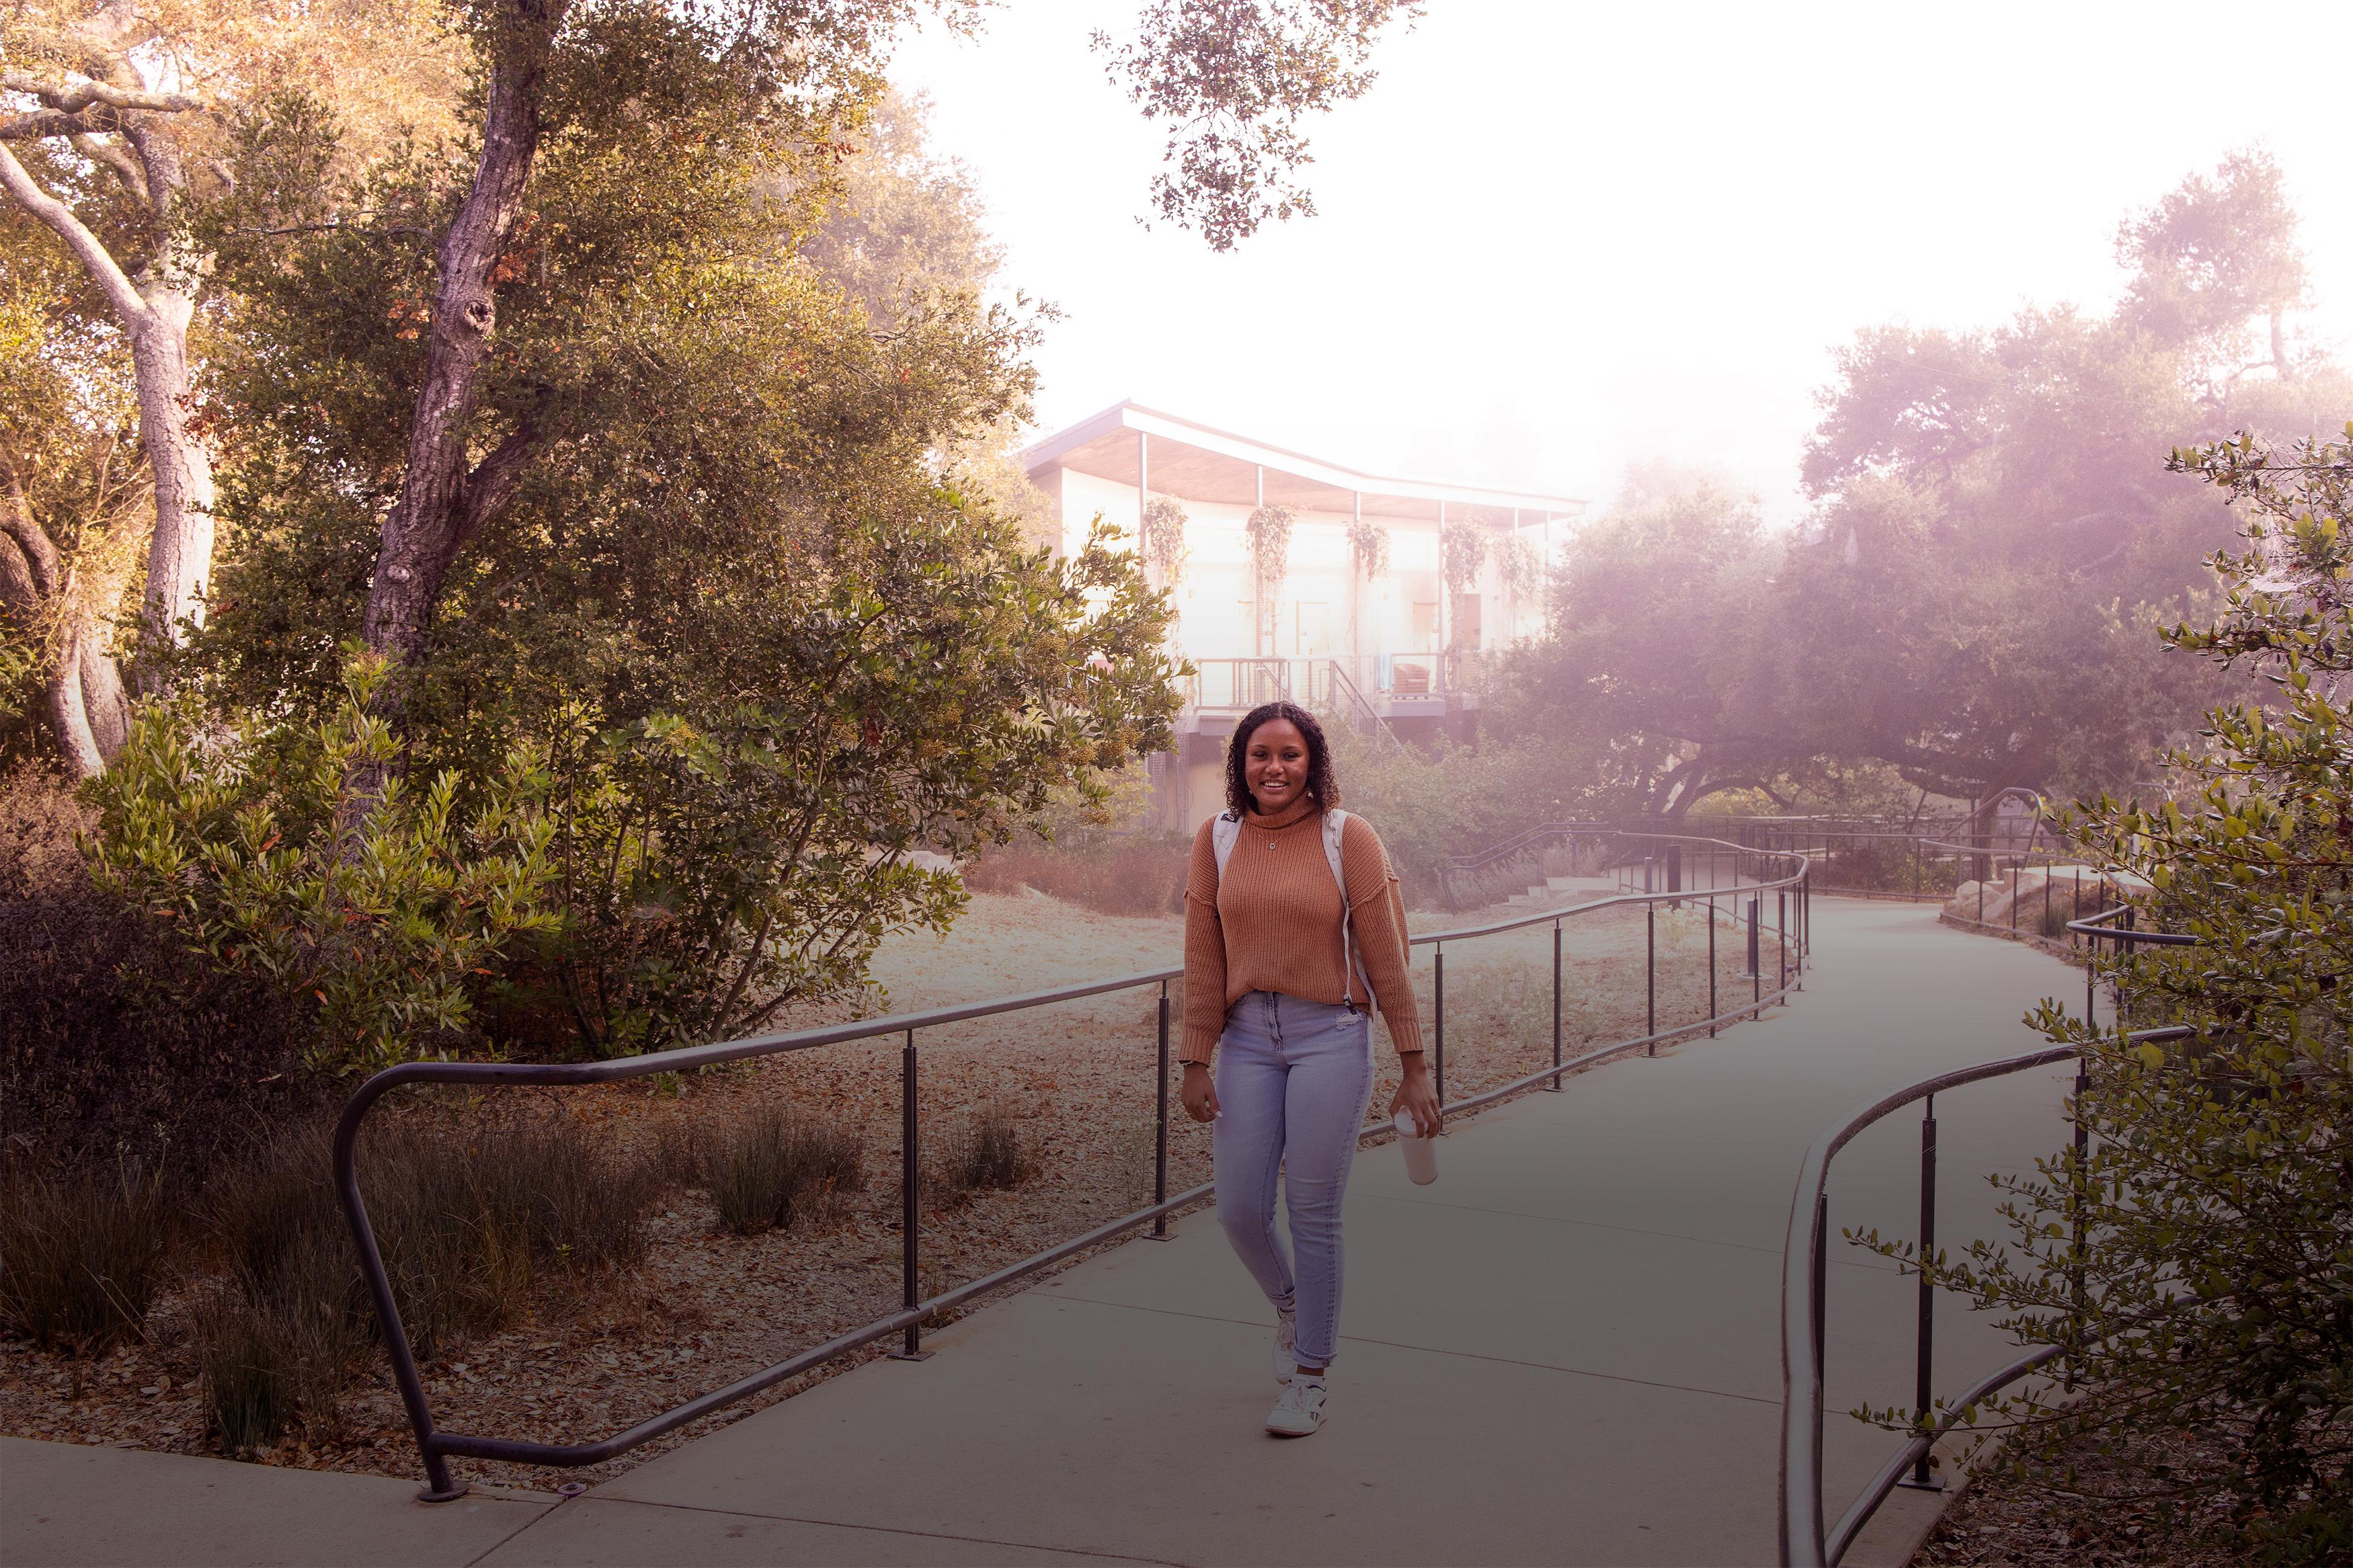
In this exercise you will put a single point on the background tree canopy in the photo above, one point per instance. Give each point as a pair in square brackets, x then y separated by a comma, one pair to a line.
[1975, 597]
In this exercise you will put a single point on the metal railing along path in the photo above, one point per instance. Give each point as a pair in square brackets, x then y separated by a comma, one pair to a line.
[1805, 1262]
[435, 1447]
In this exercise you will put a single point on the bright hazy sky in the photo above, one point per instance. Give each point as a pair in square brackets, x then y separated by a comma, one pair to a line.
[1557, 236]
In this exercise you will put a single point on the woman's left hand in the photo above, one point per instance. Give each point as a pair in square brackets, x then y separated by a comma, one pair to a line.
[1415, 1095]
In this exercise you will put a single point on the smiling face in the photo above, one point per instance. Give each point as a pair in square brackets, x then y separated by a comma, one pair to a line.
[1274, 766]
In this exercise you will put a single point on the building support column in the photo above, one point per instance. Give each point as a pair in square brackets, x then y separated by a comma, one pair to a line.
[1445, 608]
[1356, 608]
[1262, 613]
[1144, 501]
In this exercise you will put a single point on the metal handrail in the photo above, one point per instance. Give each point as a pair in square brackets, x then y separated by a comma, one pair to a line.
[1805, 1262]
[2097, 927]
[436, 1447]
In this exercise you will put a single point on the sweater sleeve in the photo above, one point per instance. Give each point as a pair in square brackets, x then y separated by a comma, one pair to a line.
[1205, 953]
[1378, 914]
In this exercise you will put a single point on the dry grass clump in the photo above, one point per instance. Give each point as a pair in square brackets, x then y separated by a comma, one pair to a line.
[767, 1167]
[81, 1256]
[988, 1155]
[472, 1224]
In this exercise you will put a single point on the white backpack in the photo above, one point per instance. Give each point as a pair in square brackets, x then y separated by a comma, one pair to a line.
[1226, 830]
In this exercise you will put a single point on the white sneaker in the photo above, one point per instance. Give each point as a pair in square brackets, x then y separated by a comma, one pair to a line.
[1299, 1411]
[1286, 1346]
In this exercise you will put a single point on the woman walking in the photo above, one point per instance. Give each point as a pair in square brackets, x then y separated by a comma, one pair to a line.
[1294, 929]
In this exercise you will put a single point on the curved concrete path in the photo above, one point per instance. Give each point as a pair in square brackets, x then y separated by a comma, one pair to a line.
[1564, 1351]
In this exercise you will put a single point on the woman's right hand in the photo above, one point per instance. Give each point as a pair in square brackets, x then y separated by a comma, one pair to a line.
[1198, 1093]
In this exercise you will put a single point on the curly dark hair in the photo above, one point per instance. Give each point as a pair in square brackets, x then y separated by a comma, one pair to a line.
[1321, 788]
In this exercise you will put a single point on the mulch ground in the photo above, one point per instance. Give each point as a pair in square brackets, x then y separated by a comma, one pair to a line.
[2059, 1519]
[707, 1307]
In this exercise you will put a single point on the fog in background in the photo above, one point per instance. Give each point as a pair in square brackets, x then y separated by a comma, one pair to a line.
[1558, 237]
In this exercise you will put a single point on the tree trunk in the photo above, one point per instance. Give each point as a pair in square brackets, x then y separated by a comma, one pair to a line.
[154, 309]
[81, 691]
[69, 714]
[106, 707]
[441, 500]
[180, 554]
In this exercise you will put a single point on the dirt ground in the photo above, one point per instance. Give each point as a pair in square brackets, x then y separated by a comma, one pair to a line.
[706, 1306]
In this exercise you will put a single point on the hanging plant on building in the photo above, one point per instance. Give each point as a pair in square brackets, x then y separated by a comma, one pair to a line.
[1163, 544]
[1464, 545]
[1270, 542]
[1368, 549]
[1269, 530]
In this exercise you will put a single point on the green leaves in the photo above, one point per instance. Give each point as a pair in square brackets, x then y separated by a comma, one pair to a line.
[251, 842]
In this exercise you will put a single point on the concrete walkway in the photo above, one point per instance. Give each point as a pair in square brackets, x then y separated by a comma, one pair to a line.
[1564, 1351]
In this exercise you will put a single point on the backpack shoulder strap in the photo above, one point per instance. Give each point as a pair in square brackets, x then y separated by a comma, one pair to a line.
[1335, 823]
[1224, 828]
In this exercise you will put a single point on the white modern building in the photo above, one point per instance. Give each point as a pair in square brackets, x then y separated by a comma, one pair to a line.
[1362, 621]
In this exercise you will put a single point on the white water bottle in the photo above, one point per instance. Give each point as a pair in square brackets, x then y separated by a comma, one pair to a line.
[1420, 1153]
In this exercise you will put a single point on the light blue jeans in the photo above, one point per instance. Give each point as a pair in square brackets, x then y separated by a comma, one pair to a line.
[1293, 1080]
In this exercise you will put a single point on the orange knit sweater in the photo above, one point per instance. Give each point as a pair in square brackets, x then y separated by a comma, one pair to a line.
[1273, 924]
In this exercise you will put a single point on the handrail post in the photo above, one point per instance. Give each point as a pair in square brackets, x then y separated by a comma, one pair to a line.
[1556, 1004]
[1711, 966]
[1437, 1018]
[2125, 957]
[1755, 953]
[438, 1485]
[1650, 971]
[1781, 932]
[1926, 1346]
[1821, 1250]
[2076, 1284]
[1160, 1127]
[911, 1202]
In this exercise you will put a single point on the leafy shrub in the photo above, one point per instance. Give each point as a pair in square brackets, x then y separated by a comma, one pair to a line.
[2211, 1292]
[765, 1168]
[1453, 800]
[115, 1043]
[81, 1255]
[1875, 865]
[299, 857]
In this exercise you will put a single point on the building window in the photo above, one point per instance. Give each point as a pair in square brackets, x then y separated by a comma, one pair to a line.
[1424, 626]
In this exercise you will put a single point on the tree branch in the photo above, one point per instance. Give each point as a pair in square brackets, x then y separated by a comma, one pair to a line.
[492, 483]
[87, 248]
[42, 123]
[72, 98]
[40, 552]
[110, 156]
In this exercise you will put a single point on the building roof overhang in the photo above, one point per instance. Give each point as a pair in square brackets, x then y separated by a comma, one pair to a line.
[1198, 463]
